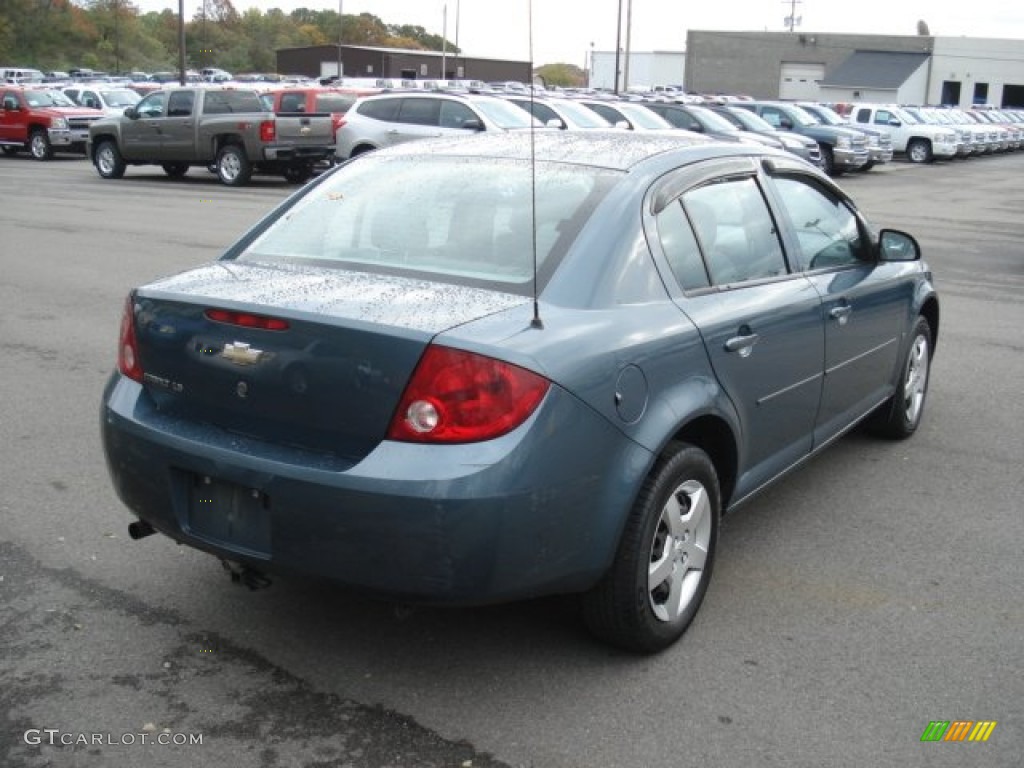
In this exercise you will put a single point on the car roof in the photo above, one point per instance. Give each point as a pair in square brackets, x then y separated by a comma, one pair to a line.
[614, 149]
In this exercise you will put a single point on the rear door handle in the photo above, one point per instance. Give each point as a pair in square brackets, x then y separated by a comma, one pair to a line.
[742, 344]
[841, 313]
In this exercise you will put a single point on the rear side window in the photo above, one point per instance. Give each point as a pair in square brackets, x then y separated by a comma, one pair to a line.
[380, 109]
[230, 102]
[293, 102]
[736, 231]
[334, 102]
[681, 249]
[180, 104]
[420, 111]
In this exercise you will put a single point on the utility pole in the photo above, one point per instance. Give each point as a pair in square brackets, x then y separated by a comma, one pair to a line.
[629, 38]
[618, 46]
[181, 41]
[444, 42]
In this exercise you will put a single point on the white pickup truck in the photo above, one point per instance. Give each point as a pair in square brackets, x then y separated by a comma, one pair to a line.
[922, 143]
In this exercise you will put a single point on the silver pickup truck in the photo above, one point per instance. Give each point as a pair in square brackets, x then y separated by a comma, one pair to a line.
[224, 129]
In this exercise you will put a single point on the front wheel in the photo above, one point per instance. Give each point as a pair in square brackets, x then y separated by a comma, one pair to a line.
[919, 151]
[39, 145]
[233, 167]
[663, 565]
[899, 416]
[108, 160]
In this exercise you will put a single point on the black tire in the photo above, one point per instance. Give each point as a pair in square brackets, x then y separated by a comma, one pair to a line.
[920, 151]
[233, 166]
[175, 170]
[298, 174]
[828, 160]
[623, 608]
[899, 416]
[39, 145]
[9, 150]
[867, 166]
[108, 161]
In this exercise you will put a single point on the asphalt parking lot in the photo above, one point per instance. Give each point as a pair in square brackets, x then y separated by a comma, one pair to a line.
[875, 590]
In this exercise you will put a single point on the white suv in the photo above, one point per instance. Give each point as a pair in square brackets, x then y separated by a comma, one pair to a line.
[393, 118]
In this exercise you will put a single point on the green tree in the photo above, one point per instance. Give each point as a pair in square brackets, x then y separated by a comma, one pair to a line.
[564, 75]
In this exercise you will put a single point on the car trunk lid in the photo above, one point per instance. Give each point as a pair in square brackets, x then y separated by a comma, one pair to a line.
[308, 357]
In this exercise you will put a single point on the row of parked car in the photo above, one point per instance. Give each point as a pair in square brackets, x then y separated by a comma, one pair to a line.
[42, 120]
[869, 136]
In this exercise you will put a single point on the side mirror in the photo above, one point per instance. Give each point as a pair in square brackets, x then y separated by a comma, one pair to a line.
[894, 122]
[473, 125]
[894, 245]
[555, 122]
[786, 124]
[131, 113]
[623, 125]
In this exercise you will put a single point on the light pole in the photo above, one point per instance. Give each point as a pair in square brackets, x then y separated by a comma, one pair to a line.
[618, 46]
[341, 27]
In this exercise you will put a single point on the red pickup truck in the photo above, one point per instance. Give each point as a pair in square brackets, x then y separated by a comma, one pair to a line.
[42, 121]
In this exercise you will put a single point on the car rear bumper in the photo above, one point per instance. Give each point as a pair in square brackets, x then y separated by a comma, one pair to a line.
[289, 154]
[537, 511]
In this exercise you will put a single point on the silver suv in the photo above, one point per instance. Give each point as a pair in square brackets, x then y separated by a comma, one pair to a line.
[392, 118]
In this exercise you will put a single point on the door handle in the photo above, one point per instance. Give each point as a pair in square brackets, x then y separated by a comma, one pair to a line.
[742, 344]
[841, 313]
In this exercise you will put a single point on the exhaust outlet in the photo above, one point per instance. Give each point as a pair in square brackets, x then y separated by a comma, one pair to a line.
[140, 529]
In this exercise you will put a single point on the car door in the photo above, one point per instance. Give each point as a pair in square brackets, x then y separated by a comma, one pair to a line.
[865, 302]
[178, 128]
[760, 321]
[9, 117]
[141, 135]
[417, 118]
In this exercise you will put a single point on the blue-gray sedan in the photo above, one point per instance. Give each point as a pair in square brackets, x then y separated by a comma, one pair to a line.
[480, 370]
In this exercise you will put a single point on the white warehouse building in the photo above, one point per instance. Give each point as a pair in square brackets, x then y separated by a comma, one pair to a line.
[644, 69]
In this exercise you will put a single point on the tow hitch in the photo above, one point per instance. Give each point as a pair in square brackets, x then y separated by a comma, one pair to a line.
[243, 574]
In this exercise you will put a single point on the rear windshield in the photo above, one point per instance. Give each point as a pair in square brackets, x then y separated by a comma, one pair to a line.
[460, 220]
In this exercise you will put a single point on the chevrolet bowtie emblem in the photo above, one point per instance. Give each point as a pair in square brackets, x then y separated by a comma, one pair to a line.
[240, 353]
[305, 130]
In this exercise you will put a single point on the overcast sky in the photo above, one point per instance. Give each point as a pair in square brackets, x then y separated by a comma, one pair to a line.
[563, 30]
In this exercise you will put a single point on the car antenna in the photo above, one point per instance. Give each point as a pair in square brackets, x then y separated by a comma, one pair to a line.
[536, 322]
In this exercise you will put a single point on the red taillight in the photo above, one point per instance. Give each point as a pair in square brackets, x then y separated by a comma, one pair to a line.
[268, 130]
[247, 320]
[461, 397]
[128, 362]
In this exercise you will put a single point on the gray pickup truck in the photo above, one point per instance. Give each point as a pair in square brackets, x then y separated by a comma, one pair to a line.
[224, 129]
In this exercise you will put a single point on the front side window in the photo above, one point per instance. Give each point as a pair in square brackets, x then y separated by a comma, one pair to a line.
[456, 115]
[154, 105]
[827, 230]
[736, 231]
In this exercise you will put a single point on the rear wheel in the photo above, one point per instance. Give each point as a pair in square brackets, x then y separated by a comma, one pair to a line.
[108, 160]
[233, 167]
[297, 174]
[919, 151]
[899, 416]
[175, 170]
[39, 145]
[662, 568]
